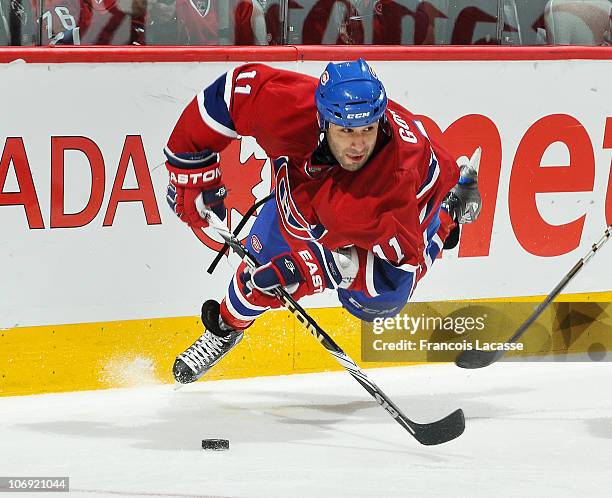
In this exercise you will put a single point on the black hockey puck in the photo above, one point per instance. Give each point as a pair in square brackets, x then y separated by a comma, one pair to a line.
[215, 444]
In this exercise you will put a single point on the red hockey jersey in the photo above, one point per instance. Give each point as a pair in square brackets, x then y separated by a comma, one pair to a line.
[384, 209]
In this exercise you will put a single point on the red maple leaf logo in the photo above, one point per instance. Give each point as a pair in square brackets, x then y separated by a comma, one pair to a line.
[246, 179]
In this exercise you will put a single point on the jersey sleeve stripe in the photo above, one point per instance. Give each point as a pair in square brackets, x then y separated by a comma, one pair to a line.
[419, 124]
[369, 275]
[423, 213]
[432, 175]
[212, 123]
[238, 305]
[407, 267]
[214, 110]
[235, 313]
[427, 209]
[432, 250]
[433, 242]
[243, 300]
[323, 258]
[227, 93]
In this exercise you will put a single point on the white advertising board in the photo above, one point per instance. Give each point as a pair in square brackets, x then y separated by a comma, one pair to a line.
[86, 235]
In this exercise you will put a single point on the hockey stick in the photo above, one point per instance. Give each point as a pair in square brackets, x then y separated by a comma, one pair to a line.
[237, 230]
[475, 358]
[437, 432]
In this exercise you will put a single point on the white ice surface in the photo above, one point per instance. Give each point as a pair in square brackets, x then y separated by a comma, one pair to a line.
[533, 429]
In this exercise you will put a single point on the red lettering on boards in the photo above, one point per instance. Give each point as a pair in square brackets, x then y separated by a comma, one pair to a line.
[528, 178]
[133, 149]
[14, 153]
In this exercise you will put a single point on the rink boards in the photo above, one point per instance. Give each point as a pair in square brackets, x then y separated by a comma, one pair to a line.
[96, 269]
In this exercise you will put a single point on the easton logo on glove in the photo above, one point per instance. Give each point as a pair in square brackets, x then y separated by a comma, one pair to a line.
[199, 178]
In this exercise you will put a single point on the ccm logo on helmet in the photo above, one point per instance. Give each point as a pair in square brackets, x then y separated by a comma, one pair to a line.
[196, 178]
[358, 115]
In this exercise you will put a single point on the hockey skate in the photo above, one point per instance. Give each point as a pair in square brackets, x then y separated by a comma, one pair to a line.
[204, 353]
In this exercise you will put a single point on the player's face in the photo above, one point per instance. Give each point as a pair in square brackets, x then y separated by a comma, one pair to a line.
[352, 147]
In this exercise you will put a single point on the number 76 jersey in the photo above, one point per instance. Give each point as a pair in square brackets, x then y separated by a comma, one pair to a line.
[92, 22]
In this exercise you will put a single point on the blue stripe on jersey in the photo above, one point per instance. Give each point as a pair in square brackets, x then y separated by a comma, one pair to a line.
[267, 232]
[433, 249]
[429, 208]
[214, 102]
[393, 285]
[433, 226]
[388, 303]
[237, 303]
[388, 278]
[433, 164]
[317, 231]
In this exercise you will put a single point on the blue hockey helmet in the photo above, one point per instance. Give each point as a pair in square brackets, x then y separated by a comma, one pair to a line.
[349, 94]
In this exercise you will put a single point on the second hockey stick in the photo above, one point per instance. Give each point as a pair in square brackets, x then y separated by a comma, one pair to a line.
[475, 358]
[440, 431]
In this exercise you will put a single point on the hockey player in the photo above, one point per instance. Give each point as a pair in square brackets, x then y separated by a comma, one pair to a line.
[363, 199]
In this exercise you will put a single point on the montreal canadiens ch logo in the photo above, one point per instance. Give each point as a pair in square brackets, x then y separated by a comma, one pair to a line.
[247, 179]
[256, 244]
[324, 78]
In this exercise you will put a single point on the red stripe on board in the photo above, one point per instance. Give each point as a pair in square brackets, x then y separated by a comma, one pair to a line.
[146, 54]
[299, 52]
[451, 53]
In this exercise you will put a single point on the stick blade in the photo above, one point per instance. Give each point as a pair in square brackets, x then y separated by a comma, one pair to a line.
[441, 431]
[475, 358]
